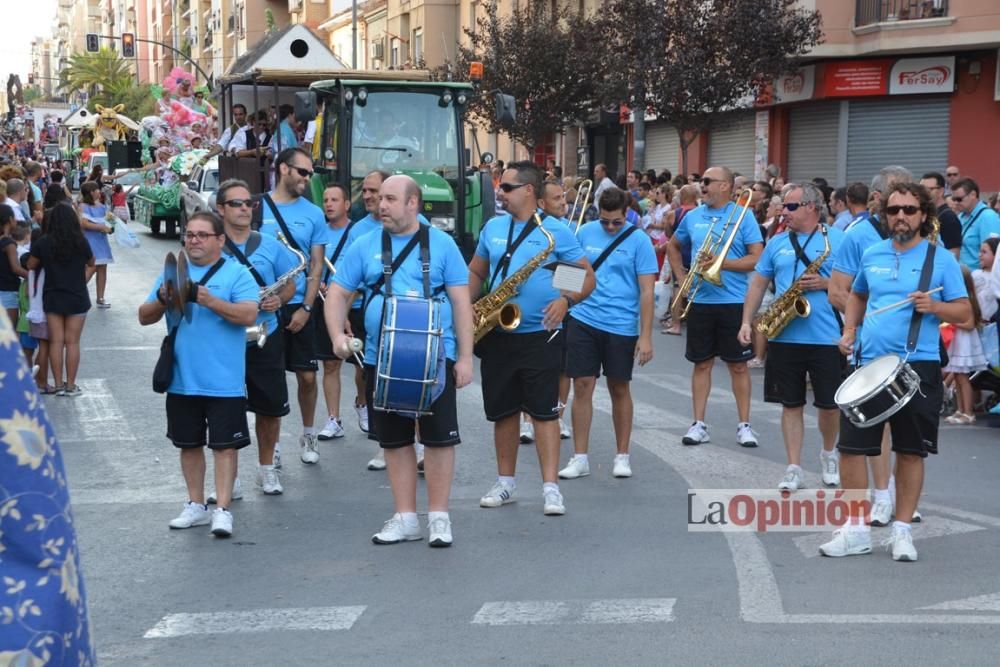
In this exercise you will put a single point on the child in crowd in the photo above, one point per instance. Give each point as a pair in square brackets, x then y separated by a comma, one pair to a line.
[965, 356]
[119, 203]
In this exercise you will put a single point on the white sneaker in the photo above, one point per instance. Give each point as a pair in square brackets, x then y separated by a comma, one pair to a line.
[881, 513]
[439, 532]
[420, 456]
[193, 514]
[553, 502]
[622, 467]
[237, 493]
[792, 481]
[696, 435]
[830, 463]
[901, 543]
[276, 459]
[395, 531]
[362, 411]
[564, 433]
[527, 431]
[378, 463]
[333, 429]
[745, 436]
[847, 543]
[309, 452]
[499, 494]
[222, 522]
[269, 481]
[577, 467]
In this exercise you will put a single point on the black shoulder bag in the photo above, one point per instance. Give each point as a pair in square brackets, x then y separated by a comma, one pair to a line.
[336, 253]
[611, 247]
[284, 227]
[163, 372]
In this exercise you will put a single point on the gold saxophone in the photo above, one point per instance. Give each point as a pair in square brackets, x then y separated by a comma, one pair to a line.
[495, 308]
[793, 302]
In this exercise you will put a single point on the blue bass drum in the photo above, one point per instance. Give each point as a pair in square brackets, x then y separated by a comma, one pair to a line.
[409, 376]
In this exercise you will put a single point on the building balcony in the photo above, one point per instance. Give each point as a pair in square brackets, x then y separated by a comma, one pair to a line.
[872, 12]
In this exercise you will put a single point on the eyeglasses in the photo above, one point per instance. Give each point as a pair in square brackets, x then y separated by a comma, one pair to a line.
[199, 236]
[951, 174]
[617, 222]
[958, 198]
[238, 203]
[708, 181]
[792, 205]
[908, 209]
[510, 187]
[304, 173]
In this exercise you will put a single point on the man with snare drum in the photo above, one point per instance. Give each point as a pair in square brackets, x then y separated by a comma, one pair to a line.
[904, 267]
[392, 263]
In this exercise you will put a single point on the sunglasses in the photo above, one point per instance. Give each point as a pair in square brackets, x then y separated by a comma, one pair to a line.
[792, 206]
[952, 175]
[510, 187]
[239, 203]
[708, 181]
[908, 209]
[304, 173]
[617, 222]
[957, 198]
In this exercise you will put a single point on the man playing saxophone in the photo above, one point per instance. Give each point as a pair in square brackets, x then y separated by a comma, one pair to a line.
[522, 362]
[266, 258]
[714, 320]
[802, 328]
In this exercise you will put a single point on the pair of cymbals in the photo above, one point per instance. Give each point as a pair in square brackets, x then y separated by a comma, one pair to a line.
[180, 289]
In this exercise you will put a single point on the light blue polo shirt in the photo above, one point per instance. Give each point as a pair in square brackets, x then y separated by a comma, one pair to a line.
[613, 306]
[362, 266]
[209, 352]
[888, 276]
[977, 226]
[860, 236]
[537, 291]
[271, 259]
[308, 226]
[692, 230]
[779, 263]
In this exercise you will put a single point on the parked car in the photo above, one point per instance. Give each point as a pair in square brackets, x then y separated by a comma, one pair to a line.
[198, 192]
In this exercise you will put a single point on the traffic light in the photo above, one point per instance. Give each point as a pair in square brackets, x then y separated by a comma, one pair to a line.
[93, 43]
[31, 78]
[128, 45]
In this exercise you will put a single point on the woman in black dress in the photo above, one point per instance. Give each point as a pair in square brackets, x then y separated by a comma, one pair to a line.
[68, 262]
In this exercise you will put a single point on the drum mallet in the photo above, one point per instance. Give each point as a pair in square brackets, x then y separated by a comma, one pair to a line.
[893, 306]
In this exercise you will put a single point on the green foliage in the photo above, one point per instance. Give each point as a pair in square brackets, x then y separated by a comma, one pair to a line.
[108, 80]
[33, 94]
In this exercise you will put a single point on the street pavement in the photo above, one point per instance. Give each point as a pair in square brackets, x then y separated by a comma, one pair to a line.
[618, 580]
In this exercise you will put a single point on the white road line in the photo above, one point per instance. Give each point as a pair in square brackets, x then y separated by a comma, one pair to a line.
[552, 612]
[988, 602]
[938, 526]
[97, 415]
[122, 348]
[258, 620]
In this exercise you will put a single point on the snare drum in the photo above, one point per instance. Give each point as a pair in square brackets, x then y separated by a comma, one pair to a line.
[877, 390]
[409, 375]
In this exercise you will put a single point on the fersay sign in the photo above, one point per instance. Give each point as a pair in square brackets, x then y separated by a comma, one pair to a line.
[911, 76]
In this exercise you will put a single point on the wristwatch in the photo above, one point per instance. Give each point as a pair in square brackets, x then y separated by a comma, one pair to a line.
[306, 307]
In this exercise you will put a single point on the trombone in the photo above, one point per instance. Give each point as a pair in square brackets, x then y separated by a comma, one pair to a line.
[580, 207]
[714, 246]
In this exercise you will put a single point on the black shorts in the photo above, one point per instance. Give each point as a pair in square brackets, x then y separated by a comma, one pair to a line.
[914, 428]
[712, 330]
[267, 391]
[786, 368]
[393, 431]
[225, 420]
[589, 349]
[324, 345]
[300, 348]
[520, 373]
[356, 316]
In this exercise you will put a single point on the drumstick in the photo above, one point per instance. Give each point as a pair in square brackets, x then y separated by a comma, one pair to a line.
[893, 306]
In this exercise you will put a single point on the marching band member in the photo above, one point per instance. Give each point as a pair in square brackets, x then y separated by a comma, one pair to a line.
[520, 370]
[715, 314]
[890, 271]
[611, 328]
[209, 369]
[801, 257]
[267, 392]
[336, 204]
[286, 211]
[362, 267]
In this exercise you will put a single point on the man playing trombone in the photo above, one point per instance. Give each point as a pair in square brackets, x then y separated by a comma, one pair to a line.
[718, 227]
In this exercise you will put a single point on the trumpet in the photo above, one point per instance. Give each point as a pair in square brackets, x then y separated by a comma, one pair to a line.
[714, 246]
[580, 207]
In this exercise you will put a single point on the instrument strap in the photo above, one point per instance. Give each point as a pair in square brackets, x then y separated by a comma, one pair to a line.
[281, 223]
[504, 264]
[800, 250]
[882, 234]
[925, 282]
[204, 280]
[390, 265]
[336, 252]
[611, 247]
[968, 226]
[252, 244]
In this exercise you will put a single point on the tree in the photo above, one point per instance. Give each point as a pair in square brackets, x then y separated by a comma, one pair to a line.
[542, 55]
[691, 61]
[108, 80]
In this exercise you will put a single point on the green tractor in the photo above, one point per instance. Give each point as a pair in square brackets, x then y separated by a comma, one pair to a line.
[402, 126]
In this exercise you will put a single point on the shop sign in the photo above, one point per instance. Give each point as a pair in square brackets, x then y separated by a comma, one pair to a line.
[795, 87]
[856, 78]
[912, 76]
